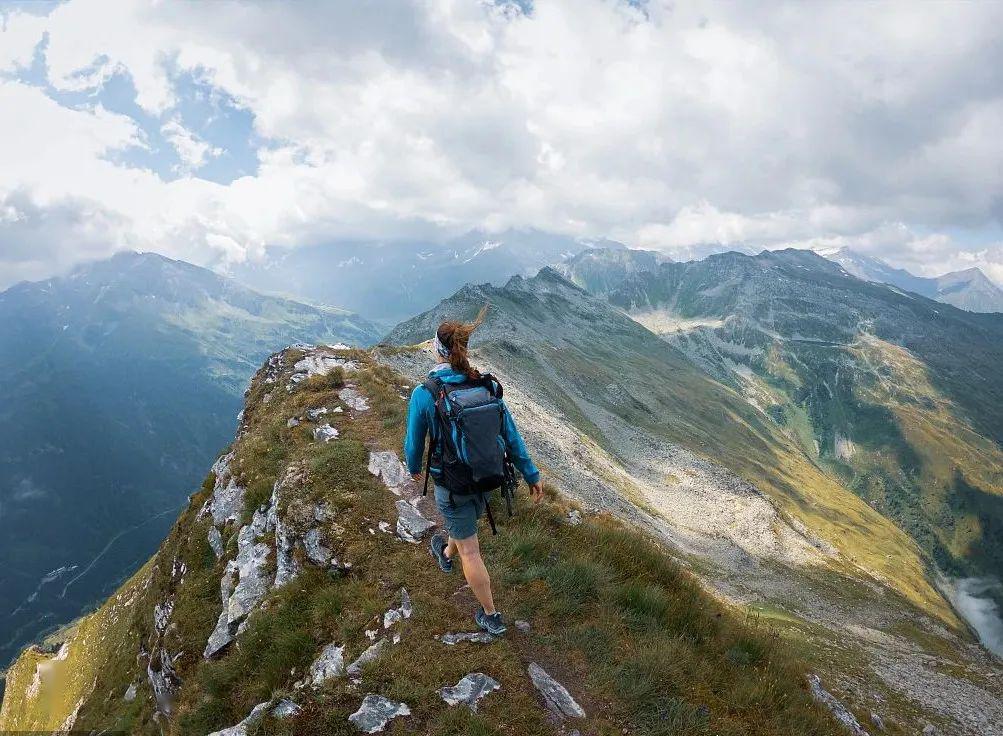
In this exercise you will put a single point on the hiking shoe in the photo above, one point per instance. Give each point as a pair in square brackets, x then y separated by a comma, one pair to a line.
[492, 624]
[438, 547]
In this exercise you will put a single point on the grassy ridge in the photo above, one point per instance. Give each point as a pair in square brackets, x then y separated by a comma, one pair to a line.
[613, 616]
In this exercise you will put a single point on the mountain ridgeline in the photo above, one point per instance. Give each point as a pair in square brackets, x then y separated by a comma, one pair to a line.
[119, 380]
[969, 289]
[295, 595]
[899, 396]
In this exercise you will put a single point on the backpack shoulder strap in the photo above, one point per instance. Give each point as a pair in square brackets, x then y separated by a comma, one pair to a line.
[492, 384]
[434, 386]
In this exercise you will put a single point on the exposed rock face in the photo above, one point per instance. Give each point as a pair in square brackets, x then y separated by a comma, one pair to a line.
[227, 502]
[354, 399]
[256, 714]
[475, 637]
[411, 525]
[319, 364]
[376, 712]
[164, 682]
[216, 541]
[314, 414]
[388, 468]
[221, 636]
[330, 663]
[285, 708]
[555, 696]
[842, 714]
[325, 433]
[249, 569]
[252, 563]
[161, 615]
[469, 690]
[394, 615]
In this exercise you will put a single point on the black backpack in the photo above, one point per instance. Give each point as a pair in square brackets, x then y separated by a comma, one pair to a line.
[471, 448]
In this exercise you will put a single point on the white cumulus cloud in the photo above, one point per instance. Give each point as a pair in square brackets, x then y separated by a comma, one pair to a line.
[676, 126]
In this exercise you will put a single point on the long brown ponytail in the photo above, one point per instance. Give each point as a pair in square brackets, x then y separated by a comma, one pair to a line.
[455, 336]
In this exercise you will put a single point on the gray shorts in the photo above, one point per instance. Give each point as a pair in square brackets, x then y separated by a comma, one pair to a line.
[462, 514]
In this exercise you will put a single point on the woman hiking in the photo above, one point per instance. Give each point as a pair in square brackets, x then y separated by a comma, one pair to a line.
[471, 439]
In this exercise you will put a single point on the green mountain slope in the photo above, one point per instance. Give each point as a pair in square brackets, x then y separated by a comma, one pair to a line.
[594, 363]
[313, 574]
[898, 396]
[647, 428]
[118, 380]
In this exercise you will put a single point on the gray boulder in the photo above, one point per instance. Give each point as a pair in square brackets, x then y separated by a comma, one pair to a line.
[555, 696]
[376, 712]
[285, 708]
[469, 690]
[130, 693]
[330, 663]
[216, 541]
[354, 399]
[401, 613]
[221, 636]
[256, 714]
[325, 433]
[411, 525]
[388, 468]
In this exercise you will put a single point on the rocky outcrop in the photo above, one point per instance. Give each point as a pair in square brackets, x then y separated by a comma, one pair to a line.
[555, 696]
[386, 465]
[164, 681]
[354, 399]
[227, 500]
[280, 709]
[325, 433]
[376, 712]
[330, 663]
[411, 525]
[371, 653]
[470, 689]
[319, 363]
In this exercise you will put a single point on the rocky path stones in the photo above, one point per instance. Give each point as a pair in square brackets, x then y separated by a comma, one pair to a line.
[555, 696]
[470, 689]
[411, 525]
[474, 637]
[354, 399]
[376, 712]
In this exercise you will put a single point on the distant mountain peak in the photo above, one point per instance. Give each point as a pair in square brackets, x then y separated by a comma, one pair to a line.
[969, 289]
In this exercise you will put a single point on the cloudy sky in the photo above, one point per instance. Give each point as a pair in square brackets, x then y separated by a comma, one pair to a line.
[209, 131]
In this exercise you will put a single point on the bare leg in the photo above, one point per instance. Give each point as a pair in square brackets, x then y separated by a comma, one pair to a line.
[450, 549]
[474, 570]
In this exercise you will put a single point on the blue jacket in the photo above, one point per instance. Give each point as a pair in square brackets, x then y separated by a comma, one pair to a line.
[421, 422]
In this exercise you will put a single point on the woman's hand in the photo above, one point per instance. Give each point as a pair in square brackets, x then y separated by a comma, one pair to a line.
[416, 477]
[536, 492]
